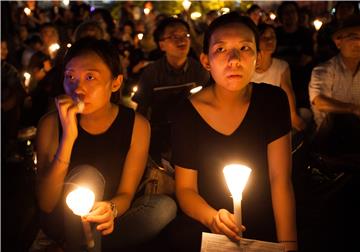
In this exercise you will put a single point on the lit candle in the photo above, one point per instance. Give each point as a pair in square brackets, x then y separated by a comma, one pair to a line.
[27, 11]
[186, 4]
[195, 89]
[27, 77]
[317, 24]
[81, 201]
[236, 176]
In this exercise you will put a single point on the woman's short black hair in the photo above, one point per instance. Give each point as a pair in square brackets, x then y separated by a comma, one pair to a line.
[167, 22]
[283, 5]
[102, 48]
[263, 26]
[229, 18]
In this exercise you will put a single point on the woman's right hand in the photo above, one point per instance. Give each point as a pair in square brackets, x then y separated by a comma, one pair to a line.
[67, 110]
[224, 223]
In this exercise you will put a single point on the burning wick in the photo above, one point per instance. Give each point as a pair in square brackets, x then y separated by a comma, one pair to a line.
[81, 201]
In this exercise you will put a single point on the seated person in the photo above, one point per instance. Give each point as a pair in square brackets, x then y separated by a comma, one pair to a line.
[233, 121]
[91, 139]
[335, 93]
[173, 70]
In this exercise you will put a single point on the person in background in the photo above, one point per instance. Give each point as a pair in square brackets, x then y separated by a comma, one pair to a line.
[275, 71]
[171, 71]
[233, 121]
[295, 46]
[12, 99]
[102, 144]
[334, 91]
[326, 48]
[255, 13]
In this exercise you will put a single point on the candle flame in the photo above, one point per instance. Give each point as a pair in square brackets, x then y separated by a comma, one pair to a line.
[80, 201]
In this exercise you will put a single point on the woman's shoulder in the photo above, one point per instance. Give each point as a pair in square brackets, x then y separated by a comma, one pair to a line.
[267, 91]
[50, 119]
[279, 63]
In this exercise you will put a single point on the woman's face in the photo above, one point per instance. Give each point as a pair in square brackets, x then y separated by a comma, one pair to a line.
[232, 56]
[89, 79]
[268, 41]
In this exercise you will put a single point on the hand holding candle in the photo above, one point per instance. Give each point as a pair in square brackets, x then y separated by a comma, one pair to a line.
[81, 201]
[236, 176]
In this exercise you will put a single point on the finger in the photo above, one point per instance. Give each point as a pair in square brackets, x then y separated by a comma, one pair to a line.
[229, 220]
[99, 218]
[226, 230]
[108, 231]
[104, 226]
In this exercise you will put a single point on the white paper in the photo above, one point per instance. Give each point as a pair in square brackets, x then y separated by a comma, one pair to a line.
[221, 243]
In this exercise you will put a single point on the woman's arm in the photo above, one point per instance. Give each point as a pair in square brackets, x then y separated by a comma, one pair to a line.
[296, 121]
[134, 165]
[53, 159]
[133, 170]
[218, 221]
[283, 199]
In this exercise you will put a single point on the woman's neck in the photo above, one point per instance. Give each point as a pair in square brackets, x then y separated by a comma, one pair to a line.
[227, 99]
[99, 120]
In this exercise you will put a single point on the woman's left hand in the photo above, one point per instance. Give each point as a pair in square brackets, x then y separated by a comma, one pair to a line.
[102, 214]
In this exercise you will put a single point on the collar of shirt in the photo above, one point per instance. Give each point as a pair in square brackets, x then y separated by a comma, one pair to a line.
[172, 70]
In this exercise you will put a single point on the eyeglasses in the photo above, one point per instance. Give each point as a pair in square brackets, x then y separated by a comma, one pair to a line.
[177, 37]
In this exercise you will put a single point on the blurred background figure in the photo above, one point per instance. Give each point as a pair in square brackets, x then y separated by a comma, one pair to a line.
[255, 13]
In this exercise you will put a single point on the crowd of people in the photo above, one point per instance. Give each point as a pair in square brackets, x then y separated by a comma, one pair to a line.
[68, 71]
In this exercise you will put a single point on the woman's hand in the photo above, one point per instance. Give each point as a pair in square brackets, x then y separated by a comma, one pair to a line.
[102, 214]
[67, 110]
[224, 223]
[298, 123]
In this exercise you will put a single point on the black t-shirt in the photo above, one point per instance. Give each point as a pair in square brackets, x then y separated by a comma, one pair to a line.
[196, 145]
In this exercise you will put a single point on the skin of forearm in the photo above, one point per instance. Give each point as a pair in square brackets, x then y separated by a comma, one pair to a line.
[284, 212]
[195, 206]
[52, 181]
[326, 104]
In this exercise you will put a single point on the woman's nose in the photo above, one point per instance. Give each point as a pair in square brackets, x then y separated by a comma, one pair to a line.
[234, 56]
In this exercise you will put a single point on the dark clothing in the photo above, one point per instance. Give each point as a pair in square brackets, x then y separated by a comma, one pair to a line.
[196, 145]
[158, 103]
[290, 47]
[161, 74]
[106, 151]
[12, 99]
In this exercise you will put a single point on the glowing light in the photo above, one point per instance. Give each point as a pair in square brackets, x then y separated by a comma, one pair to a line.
[66, 2]
[272, 16]
[186, 4]
[224, 10]
[195, 15]
[236, 176]
[68, 45]
[28, 142]
[146, 11]
[195, 89]
[317, 24]
[54, 47]
[140, 36]
[135, 89]
[80, 201]
[27, 11]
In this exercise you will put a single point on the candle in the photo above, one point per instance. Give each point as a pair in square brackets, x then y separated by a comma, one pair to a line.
[81, 201]
[236, 176]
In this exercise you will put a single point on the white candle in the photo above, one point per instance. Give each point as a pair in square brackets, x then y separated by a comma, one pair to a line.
[236, 176]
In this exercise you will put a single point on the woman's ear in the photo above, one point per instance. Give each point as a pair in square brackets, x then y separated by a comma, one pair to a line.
[204, 59]
[116, 83]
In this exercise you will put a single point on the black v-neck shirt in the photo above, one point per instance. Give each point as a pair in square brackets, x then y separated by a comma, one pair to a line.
[196, 145]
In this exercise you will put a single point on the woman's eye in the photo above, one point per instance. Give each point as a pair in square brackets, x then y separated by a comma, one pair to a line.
[69, 77]
[220, 49]
[90, 77]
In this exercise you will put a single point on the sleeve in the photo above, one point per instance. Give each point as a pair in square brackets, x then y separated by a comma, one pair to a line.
[183, 138]
[320, 82]
[279, 119]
